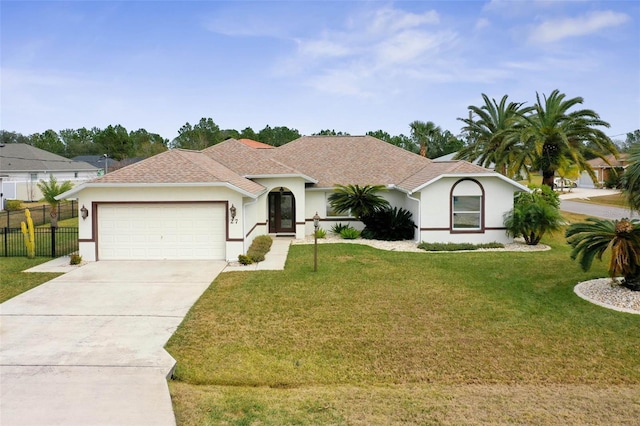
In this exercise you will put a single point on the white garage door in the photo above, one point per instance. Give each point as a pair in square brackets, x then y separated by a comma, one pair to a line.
[161, 231]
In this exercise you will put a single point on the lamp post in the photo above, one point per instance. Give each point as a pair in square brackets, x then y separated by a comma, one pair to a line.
[316, 225]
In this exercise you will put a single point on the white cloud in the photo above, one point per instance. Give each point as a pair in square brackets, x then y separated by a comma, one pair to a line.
[558, 29]
[482, 23]
[390, 20]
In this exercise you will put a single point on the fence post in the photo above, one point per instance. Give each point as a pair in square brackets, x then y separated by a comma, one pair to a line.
[6, 241]
[53, 241]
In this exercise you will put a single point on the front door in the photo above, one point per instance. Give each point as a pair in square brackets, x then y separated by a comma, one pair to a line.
[282, 212]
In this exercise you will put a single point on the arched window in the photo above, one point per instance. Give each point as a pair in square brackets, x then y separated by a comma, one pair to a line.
[467, 206]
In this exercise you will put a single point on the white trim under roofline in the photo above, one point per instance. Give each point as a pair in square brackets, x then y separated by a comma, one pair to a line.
[463, 175]
[283, 175]
[86, 185]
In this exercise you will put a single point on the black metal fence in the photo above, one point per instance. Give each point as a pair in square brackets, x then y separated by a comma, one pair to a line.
[50, 242]
[40, 214]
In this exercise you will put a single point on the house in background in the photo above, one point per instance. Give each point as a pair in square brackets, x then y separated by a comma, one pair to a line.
[211, 204]
[22, 166]
[603, 170]
[106, 164]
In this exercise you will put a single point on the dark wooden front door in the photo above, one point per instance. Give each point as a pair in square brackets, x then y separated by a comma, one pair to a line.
[282, 212]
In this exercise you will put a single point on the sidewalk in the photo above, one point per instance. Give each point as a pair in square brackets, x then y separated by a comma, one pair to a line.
[274, 259]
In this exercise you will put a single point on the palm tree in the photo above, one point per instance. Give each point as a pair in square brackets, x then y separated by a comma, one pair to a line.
[359, 200]
[592, 238]
[553, 136]
[492, 134]
[50, 190]
[422, 133]
[631, 178]
[533, 215]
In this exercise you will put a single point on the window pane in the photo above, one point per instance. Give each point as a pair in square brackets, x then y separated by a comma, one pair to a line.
[466, 220]
[466, 204]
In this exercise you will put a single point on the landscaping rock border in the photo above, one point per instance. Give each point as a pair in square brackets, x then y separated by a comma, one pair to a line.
[607, 292]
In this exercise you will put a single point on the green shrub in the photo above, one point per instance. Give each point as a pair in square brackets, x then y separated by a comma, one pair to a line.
[533, 214]
[75, 259]
[390, 224]
[244, 259]
[259, 248]
[13, 205]
[338, 227]
[457, 246]
[321, 233]
[350, 233]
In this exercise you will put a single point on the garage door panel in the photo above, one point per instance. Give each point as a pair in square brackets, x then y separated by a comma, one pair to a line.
[161, 231]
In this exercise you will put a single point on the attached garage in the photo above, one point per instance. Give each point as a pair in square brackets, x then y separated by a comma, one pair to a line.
[155, 231]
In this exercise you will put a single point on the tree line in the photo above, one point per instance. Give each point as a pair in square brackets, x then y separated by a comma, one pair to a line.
[118, 143]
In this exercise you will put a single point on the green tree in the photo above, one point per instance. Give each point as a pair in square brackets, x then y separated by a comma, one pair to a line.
[80, 142]
[199, 136]
[631, 177]
[50, 190]
[13, 137]
[277, 136]
[591, 239]
[147, 144]
[491, 130]
[115, 142]
[553, 135]
[423, 134]
[533, 215]
[359, 200]
[248, 133]
[332, 132]
[49, 141]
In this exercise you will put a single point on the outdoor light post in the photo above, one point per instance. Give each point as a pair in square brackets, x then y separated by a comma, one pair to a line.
[316, 225]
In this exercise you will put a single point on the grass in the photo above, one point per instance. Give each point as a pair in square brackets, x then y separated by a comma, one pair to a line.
[615, 200]
[378, 337]
[13, 281]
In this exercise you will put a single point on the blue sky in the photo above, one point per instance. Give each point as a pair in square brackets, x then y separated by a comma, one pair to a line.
[352, 66]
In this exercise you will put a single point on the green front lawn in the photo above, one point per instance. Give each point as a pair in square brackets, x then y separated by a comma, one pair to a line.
[378, 337]
[13, 281]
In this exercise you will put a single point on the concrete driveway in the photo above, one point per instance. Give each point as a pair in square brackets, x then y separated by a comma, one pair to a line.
[87, 347]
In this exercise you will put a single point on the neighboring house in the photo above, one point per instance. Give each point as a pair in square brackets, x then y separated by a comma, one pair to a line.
[22, 166]
[603, 170]
[211, 204]
[102, 162]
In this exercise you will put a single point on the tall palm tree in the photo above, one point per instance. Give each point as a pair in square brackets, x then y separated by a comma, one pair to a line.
[359, 200]
[592, 238]
[492, 133]
[552, 135]
[423, 132]
[50, 190]
[631, 178]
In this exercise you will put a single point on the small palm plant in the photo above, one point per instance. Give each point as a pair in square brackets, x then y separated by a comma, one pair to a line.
[50, 190]
[592, 238]
[533, 215]
[359, 200]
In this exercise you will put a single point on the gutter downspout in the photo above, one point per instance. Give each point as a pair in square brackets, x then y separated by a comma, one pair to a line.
[417, 200]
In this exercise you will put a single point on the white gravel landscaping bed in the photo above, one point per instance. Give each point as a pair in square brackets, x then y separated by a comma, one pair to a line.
[608, 293]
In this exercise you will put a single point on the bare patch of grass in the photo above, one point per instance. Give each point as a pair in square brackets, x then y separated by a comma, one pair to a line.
[615, 200]
[406, 405]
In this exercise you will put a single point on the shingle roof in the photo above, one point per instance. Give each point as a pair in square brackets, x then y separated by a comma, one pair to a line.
[621, 161]
[345, 160]
[21, 157]
[179, 166]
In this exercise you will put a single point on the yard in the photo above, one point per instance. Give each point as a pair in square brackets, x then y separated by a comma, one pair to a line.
[379, 337]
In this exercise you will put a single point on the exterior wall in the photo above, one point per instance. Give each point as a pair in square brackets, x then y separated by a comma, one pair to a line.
[91, 198]
[436, 211]
[27, 189]
[317, 202]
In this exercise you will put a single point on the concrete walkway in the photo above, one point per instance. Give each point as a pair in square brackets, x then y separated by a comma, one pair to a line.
[87, 347]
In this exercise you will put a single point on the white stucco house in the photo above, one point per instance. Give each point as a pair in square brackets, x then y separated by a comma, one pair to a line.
[211, 204]
[22, 166]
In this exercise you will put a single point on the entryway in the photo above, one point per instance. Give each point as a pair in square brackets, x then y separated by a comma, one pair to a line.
[282, 212]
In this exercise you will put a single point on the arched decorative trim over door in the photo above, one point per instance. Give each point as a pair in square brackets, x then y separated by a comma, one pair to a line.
[282, 212]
